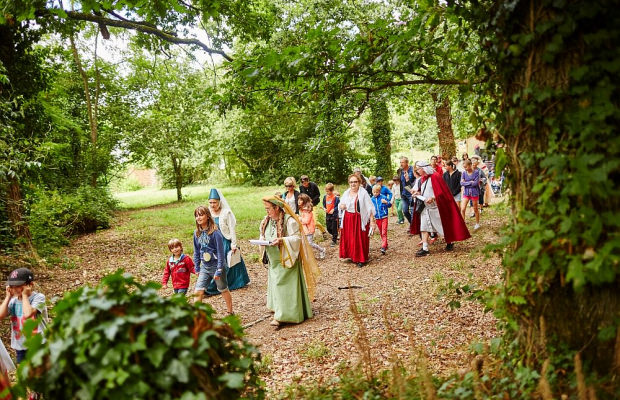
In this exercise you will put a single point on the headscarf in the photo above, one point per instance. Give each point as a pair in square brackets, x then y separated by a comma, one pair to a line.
[428, 169]
[366, 207]
[309, 265]
[223, 203]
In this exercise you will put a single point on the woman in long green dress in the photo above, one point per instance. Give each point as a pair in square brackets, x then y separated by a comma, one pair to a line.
[292, 267]
[237, 274]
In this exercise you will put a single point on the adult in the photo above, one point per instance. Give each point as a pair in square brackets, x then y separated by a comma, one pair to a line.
[452, 177]
[436, 164]
[312, 190]
[364, 182]
[440, 214]
[406, 185]
[355, 224]
[236, 274]
[470, 181]
[292, 268]
[209, 256]
[291, 195]
[458, 164]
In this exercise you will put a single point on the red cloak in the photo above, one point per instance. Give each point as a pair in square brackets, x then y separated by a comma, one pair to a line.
[454, 227]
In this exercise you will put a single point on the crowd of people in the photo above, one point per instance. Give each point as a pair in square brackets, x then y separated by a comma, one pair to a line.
[431, 196]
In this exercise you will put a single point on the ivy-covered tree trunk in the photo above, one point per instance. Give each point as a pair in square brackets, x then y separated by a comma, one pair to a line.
[447, 145]
[19, 225]
[178, 175]
[381, 131]
[560, 101]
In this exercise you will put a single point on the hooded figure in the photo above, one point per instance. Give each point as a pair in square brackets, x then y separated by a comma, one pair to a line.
[440, 213]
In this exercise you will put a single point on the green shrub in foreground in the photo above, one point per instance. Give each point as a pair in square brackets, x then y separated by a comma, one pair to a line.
[121, 340]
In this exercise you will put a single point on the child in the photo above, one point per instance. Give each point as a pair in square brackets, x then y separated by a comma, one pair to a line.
[396, 195]
[22, 303]
[390, 185]
[307, 220]
[382, 205]
[209, 257]
[330, 204]
[179, 266]
[340, 212]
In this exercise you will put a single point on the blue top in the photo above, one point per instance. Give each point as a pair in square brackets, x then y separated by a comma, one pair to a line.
[386, 192]
[213, 245]
[381, 209]
[404, 192]
[471, 183]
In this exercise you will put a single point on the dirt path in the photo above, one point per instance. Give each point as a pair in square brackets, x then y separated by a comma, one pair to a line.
[409, 287]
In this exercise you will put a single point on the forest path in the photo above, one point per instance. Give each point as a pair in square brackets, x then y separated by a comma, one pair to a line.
[396, 287]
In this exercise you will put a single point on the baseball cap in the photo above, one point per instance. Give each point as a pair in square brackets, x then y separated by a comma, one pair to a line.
[20, 276]
[379, 179]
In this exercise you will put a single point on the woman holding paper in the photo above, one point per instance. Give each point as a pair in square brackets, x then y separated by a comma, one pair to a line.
[356, 222]
[237, 273]
[292, 267]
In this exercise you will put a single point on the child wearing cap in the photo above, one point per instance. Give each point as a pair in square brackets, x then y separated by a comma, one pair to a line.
[179, 267]
[22, 303]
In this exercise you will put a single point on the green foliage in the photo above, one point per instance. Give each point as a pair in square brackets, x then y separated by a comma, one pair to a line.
[56, 216]
[122, 340]
[555, 67]
[381, 129]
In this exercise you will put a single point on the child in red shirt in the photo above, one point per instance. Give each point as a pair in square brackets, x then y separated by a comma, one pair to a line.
[179, 266]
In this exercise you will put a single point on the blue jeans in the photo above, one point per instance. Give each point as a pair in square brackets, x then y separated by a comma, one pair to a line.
[406, 204]
[184, 291]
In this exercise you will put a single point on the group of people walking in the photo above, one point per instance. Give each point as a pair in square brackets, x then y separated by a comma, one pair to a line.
[431, 196]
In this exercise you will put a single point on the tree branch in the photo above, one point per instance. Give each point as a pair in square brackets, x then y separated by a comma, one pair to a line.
[144, 28]
[408, 83]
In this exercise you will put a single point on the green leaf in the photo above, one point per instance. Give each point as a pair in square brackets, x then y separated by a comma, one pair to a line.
[234, 380]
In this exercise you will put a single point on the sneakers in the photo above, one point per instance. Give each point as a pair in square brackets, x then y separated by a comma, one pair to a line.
[422, 253]
[322, 254]
[334, 244]
[473, 214]
[450, 247]
[476, 227]
[360, 265]
[400, 222]
[383, 250]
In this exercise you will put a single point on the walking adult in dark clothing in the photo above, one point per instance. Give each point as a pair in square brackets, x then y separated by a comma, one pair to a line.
[407, 180]
[453, 179]
[311, 189]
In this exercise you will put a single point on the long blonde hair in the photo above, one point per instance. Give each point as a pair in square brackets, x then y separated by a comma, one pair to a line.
[211, 226]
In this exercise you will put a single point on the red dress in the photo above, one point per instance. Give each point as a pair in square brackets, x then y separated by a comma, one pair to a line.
[354, 242]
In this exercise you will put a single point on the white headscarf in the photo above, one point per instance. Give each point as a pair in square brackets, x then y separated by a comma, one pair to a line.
[225, 207]
[425, 166]
[366, 207]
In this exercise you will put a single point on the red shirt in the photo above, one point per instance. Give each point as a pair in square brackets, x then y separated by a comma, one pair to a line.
[330, 201]
[180, 271]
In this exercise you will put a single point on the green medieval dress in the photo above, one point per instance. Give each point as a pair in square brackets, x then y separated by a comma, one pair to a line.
[287, 295]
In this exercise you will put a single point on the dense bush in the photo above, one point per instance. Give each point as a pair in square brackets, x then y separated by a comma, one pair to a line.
[56, 216]
[121, 340]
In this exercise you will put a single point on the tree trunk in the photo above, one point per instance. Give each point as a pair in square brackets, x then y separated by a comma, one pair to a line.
[381, 131]
[90, 109]
[561, 288]
[178, 176]
[447, 145]
[15, 212]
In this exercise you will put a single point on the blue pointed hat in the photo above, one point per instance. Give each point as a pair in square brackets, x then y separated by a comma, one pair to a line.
[214, 195]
